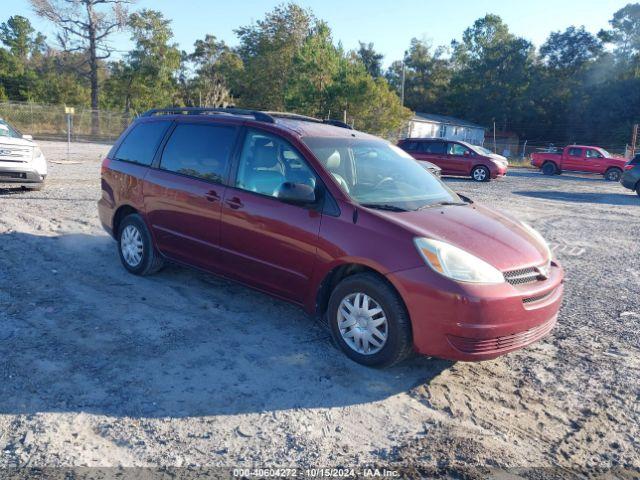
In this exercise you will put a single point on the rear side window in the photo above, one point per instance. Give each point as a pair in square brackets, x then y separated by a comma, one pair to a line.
[635, 160]
[575, 152]
[201, 151]
[409, 146]
[437, 148]
[140, 145]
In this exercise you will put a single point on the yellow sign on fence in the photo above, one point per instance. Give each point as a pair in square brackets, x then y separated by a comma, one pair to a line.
[69, 110]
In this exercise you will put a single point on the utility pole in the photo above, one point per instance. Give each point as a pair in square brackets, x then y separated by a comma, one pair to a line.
[634, 139]
[494, 138]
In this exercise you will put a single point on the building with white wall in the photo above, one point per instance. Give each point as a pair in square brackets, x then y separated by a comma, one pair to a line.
[427, 125]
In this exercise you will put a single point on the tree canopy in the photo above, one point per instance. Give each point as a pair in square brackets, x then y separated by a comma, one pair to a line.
[576, 86]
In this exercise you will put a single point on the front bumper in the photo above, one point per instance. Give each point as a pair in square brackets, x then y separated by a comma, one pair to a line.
[17, 175]
[477, 322]
[630, 178]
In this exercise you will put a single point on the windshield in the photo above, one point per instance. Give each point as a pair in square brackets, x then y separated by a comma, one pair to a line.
[378, 174]
[7, 130]
[605, 153]
[482, 150]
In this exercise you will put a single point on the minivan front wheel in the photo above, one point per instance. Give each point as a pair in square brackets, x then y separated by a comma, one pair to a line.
[369, 322]
[480, 174]
[137, 252]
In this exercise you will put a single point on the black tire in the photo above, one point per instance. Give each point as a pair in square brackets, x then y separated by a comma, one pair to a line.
[399, 342]
[480, 174]
[151, 261]
[614, 174]
[549, 168]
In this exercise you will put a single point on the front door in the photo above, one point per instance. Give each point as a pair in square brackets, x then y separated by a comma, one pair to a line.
[266, 242]
[183, 197]
[459, 158]
[593, 161]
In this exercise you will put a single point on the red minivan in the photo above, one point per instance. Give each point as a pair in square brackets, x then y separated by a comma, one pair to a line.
[342, 223]
[457, 158]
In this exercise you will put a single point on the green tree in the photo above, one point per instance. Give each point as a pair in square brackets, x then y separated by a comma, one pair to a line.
[491, 74]
[427, 77]
[216, 69]
[371, 59]
[268, 48]
[147, 77]
[570, 50]
[85, 26]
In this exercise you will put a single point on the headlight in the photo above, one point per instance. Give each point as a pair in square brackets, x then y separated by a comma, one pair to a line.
[456, 263]
[37, 152]
[535, 234]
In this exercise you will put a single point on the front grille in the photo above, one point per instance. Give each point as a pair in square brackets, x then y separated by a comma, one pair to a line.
[522, 276]
[538, 298]
[12, 175]
[500, 344]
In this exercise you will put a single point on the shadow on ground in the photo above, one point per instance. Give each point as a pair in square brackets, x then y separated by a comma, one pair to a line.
[583, 197]
[78, 333]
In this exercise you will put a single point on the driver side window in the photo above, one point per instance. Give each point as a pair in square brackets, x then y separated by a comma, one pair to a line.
[267, 162]
[457, 149]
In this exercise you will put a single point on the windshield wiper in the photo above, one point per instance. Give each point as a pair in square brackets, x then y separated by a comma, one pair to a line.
[385, 206]
[441, 204]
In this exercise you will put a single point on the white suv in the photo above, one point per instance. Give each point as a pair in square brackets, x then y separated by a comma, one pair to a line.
[21, 160]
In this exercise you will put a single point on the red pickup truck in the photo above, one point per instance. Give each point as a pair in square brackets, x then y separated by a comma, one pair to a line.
[580, 158]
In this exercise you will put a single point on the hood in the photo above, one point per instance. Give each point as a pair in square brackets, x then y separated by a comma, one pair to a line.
[499, 158]
[496, 239]
[19, 142]
[617, 161]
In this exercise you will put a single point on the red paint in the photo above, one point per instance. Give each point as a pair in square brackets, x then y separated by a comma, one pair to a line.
[579, 158]
[288, 251]
[455, 165]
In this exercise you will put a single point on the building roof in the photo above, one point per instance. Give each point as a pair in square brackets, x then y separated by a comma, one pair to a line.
[432, 117]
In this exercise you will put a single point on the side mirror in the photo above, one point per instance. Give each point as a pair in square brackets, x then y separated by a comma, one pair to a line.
[296, 193]
[466, 153]
[27, 137]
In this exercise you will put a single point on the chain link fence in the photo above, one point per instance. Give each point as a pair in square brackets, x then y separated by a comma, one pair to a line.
[50, 122]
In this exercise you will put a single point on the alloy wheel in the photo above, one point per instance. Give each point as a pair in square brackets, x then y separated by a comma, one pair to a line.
[479, 174]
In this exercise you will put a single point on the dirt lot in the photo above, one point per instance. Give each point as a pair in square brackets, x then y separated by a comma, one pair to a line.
[101, 368]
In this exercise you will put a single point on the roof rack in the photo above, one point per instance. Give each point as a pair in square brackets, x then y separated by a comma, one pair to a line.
[268, 117]
[258, 115]
[305, 118]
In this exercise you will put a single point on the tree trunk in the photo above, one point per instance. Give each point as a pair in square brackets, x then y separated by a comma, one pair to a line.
[93, 65]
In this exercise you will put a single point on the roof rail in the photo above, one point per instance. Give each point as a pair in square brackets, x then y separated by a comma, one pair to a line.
[268, 117]
[305, 118]
[258, 115]
[337, 123]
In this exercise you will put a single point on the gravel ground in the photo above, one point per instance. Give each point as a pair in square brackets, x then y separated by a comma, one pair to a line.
[101, 368]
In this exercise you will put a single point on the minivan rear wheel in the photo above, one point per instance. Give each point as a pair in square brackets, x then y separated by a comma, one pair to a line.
[369, 322]
[135, 246]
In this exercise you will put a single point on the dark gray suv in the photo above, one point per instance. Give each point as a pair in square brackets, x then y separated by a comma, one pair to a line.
[631, 177]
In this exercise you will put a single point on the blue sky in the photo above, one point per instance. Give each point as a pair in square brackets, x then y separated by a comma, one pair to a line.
[390, 25]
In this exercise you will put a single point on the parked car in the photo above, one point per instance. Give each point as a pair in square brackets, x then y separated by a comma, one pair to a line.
[430, 167]
[342, 223]
[457, 158]
[21, 160]
[631, 176]
[579, 158]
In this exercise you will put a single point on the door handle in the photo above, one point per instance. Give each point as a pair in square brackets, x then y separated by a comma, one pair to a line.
[212, 196]
[235, 203]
